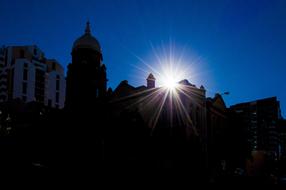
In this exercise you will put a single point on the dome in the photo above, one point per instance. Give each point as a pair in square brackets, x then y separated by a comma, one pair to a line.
[87, 41]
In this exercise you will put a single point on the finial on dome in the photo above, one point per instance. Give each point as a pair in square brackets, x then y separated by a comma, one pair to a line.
[87, 28]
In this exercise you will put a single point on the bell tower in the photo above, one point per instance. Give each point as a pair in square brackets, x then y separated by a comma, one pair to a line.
[151, 81]
[86, 76]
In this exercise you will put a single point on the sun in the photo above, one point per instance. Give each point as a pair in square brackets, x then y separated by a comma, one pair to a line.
[170, 75]
[169, 82]
[171, 95]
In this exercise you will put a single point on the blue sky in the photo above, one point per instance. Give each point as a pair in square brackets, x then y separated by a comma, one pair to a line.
[236, 46]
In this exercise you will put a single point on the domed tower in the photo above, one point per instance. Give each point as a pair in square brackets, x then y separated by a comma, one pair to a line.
[86, 77]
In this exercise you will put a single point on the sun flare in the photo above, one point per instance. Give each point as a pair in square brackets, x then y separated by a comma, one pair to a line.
[169, 91]
[169, 81]
[169, 75]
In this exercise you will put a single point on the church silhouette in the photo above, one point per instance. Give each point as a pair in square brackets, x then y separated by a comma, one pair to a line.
[134, 133]
[131, 128]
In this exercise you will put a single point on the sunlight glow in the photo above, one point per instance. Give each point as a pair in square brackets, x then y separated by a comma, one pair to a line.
[173, 94]
[170, 73]
[170, 82]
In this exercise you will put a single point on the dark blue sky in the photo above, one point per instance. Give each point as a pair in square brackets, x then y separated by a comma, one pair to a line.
[239, 46]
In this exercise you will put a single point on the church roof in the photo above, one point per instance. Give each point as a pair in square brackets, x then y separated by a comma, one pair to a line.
[217, 102]
[87, 41]
[123, 89]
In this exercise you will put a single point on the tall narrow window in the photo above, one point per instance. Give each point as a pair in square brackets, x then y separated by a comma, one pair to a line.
[49, 102]
[22, 53]
[57, 97]
[57, 84]
[25, 74]
[53, 66]
[10, 83]
[24, 89]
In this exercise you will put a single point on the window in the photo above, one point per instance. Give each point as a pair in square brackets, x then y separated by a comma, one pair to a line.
[11, 83]
[25, 74]
[53, 66]
[35, 51]
[22, 53]
[40, 85]
[24, 89]
[57, 97]
[57, 84]
[49, 102]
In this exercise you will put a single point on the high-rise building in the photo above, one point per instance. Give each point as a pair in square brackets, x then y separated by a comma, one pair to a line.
[282, 136]
[26, 74]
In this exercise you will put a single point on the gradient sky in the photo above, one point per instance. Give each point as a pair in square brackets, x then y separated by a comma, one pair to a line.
[236, 46]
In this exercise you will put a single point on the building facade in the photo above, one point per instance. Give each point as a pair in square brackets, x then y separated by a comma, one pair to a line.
[26, 74]
[217, 133]
[258, 124]
[174, 118]
[282, 135]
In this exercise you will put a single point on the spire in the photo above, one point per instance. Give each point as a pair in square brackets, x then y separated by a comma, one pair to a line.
[87, 28]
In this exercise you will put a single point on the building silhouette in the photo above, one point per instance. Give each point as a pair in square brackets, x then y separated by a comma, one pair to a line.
[86, 76]
[256, 142]
[151, 81]
[86, 106]
[26, 74]
[148, 128]
[217, 134]
[282, 138]
[180, 121]
[260, 122]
